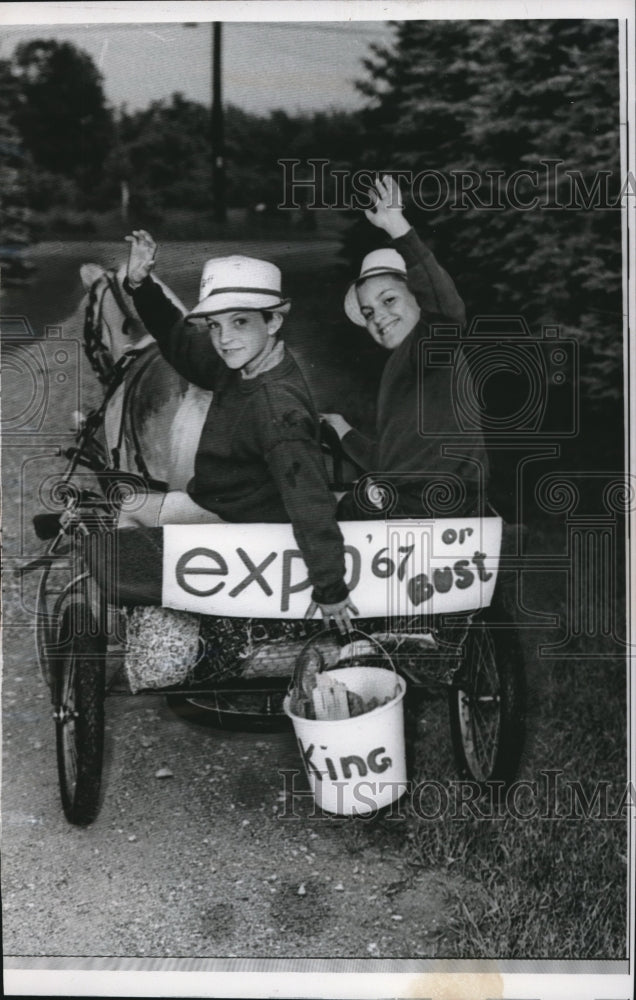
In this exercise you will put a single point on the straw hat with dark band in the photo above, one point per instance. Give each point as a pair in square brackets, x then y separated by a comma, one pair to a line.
[239, 283]
[377, 262]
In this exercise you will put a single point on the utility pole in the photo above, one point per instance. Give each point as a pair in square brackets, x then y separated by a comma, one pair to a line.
[217, 141]
[216, 127]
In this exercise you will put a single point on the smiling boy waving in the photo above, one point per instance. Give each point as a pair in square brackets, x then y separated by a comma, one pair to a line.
[400, 294]
[258, 458]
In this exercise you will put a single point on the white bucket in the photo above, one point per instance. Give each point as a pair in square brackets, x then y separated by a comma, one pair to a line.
[356, 766]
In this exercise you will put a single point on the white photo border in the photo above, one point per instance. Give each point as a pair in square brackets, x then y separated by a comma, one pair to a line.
[459, 980]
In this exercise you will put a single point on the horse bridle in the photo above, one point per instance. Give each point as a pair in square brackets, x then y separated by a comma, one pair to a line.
[98, 355]
[112, 373]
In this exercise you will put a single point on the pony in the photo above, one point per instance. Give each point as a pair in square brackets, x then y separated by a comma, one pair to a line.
[150, 419]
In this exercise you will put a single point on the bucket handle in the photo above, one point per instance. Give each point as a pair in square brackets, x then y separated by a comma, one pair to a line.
[297, 676]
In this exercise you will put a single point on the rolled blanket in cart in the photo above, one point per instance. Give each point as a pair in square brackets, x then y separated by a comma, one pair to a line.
[395, 568]
[162, 647]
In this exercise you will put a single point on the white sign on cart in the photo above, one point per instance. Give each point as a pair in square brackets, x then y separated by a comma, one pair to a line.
[394, 568]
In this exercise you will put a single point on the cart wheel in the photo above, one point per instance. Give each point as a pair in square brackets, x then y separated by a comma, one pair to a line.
[249, 712]
[79, 692]
[487, 705]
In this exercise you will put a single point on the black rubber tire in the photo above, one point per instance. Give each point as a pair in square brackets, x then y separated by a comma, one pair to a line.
[79, 694]
[232, 711]
[487, 705]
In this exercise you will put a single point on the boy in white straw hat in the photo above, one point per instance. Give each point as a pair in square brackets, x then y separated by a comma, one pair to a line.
[258, 458]
[399, 293]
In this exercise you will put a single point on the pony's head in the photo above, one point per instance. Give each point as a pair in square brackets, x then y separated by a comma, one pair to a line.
[112, 325]
[153, 426]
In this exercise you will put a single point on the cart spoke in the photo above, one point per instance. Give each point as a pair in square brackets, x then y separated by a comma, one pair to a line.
[479, 707]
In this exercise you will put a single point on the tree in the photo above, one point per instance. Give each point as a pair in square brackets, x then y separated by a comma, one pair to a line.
[165, 152]
[61, 111]
[256, 144]
[15, 230]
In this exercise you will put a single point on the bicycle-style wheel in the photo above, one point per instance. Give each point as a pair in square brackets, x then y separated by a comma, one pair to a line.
[487, 705]
[79, 692]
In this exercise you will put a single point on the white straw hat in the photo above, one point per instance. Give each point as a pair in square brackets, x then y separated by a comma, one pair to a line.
[239, 283]
[384, 261]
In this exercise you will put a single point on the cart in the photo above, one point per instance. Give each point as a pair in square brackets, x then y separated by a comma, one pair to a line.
[472, 657]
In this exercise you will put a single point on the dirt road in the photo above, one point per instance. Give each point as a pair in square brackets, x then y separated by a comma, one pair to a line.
[219, 859]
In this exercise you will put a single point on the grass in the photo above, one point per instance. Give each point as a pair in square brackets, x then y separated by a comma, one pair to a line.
[546, 888]
[547, 891]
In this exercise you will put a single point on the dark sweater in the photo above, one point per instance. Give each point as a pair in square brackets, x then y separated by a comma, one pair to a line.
[259, 457]
[408, 400]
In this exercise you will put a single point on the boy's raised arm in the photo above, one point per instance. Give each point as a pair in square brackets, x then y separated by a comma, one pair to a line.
[432, 287]
[188, 350]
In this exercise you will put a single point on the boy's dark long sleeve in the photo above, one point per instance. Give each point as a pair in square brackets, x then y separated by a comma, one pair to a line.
[188, 350]
[298, 471]
[433, 288]
[289, 441]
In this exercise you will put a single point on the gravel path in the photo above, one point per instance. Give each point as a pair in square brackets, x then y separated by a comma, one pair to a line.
[219, 859]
